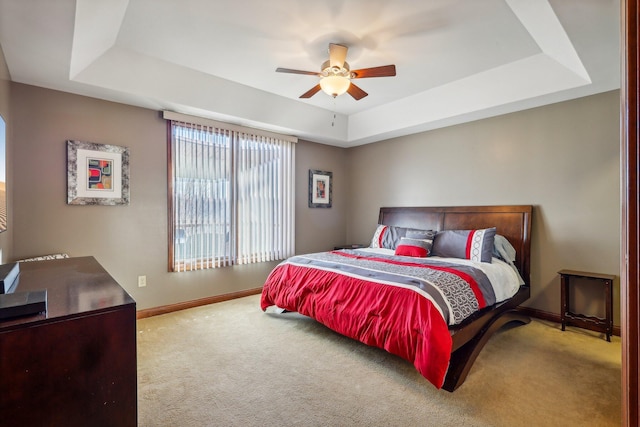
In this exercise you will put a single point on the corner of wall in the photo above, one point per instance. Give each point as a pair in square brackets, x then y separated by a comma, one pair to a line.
[6, 237]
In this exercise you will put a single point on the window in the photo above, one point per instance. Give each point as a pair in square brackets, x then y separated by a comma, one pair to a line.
[231, 196]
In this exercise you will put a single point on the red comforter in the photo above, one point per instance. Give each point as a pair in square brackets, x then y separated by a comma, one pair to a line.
[382, 301]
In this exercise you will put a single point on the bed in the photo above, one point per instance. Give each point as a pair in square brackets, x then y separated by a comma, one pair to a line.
[394, 300]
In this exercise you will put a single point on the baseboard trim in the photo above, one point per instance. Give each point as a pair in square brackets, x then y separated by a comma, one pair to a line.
[149, 312]
[552, 317]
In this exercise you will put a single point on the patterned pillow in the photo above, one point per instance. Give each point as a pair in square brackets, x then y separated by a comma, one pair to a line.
[476, 245]
[416, 244]
[388, 236]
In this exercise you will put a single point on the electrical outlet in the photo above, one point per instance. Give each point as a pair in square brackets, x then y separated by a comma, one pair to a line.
[142, 281]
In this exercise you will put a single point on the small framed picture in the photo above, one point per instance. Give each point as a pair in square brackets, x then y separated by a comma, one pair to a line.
[97, 174]
[320, 189]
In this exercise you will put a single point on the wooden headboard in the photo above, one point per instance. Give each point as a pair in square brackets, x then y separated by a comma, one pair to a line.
[513, 222]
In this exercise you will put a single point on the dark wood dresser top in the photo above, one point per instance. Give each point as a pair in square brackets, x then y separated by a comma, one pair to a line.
[75, 286]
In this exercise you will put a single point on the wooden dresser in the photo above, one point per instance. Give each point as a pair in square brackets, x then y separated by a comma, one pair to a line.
[76, 365]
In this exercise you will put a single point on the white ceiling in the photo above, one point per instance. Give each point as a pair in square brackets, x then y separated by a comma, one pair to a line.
[456, 60]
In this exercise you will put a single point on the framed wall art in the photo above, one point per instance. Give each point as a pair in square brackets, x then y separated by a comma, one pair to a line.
[320, 189]
[97, 174]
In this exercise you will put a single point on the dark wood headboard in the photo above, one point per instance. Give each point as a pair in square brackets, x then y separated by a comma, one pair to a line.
[513, 222]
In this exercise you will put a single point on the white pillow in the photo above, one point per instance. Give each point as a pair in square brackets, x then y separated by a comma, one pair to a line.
[503, 249]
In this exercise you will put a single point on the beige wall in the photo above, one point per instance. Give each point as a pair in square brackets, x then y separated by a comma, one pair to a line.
[564, 159]
[132, 240]
[320, 229]
[5, 92]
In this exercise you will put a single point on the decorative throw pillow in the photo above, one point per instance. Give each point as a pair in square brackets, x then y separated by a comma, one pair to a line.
[416, 244]
[476, 245]
[388, 236]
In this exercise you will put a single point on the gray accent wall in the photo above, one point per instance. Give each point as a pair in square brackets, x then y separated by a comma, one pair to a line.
[563, 158]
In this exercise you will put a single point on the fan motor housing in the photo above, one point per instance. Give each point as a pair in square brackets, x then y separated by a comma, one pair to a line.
[328, 70]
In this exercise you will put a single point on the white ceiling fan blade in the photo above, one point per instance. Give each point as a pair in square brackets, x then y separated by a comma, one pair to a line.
[337, 55]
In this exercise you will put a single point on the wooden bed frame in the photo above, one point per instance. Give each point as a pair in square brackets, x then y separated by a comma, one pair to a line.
[514, 223]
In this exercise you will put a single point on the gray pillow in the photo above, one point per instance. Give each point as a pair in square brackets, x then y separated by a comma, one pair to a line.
[388, 236]
[416, 243]
[476, 245]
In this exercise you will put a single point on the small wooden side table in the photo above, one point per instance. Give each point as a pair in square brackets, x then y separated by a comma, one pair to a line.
[580, 320]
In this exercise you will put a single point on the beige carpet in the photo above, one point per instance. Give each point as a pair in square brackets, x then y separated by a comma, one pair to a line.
[230, 364]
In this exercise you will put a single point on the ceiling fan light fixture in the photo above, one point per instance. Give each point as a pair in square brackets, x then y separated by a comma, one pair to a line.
[334, 85]
[336, 75]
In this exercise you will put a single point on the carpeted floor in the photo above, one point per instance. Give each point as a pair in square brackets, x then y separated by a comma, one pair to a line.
[230, 364]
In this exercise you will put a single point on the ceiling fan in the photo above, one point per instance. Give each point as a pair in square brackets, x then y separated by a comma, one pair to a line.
[336, 76]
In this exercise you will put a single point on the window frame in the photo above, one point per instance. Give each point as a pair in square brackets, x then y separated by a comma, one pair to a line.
[231, 257]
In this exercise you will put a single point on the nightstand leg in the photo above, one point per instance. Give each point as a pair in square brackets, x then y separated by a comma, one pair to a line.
[564, 298]
[608, 287]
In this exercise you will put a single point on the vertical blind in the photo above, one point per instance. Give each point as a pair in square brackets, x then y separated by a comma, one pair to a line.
[232, 197]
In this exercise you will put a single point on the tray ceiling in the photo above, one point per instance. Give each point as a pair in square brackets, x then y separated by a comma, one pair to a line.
[456, 60]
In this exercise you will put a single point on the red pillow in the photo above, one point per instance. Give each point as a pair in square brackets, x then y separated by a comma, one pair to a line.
[412, 247]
